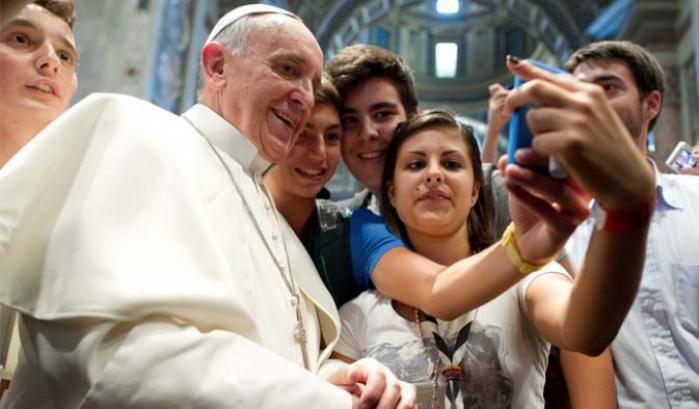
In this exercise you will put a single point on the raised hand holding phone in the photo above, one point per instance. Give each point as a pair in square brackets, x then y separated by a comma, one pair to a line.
[574, 121]
[520, 136]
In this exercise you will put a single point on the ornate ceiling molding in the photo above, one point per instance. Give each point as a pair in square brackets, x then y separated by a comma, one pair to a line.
[551, 22]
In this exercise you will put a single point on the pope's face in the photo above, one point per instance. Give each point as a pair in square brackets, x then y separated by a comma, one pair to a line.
[37, 65]
[269, 88]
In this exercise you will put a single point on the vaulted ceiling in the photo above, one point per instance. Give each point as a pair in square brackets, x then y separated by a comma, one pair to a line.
[567, 18]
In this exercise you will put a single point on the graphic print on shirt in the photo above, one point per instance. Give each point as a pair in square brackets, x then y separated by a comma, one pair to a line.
[472, 372]
[470, 366]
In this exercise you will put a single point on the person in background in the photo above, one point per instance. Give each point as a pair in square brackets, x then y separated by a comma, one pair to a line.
[656, 354]
[497, 118]
[147, 261]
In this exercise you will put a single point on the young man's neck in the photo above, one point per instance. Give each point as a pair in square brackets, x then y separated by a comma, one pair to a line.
[642, 143]
[296, 210]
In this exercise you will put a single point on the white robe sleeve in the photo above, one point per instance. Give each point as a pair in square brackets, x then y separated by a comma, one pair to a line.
[161, 363]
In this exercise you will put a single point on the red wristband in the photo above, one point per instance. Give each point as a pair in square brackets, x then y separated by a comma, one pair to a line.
[625, 220]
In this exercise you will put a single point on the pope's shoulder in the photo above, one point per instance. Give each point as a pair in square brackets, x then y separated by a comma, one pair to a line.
[128, 119]
[107, 103]
[107, 98]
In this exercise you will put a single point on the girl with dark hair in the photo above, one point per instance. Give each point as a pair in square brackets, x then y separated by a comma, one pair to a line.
[494, 356]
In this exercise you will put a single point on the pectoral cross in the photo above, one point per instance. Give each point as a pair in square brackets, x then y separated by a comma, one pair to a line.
[300, 330]
[287, 277]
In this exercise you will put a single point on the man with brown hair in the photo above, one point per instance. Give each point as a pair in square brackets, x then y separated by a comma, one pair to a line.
[357, 63]
[378, 92]
[38, 61]
[646, 72]
[656, 353]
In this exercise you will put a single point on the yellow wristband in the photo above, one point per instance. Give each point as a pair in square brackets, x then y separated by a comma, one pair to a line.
[510, 245]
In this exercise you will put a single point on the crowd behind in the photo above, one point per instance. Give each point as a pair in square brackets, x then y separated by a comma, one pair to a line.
[196, 260]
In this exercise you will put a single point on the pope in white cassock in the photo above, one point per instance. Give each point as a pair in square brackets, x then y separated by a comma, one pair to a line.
[149, 265]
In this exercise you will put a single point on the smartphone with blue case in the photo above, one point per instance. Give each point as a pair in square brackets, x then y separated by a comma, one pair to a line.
[519, 134]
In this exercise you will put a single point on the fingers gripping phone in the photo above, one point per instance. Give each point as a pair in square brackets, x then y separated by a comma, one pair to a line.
[520, 136]
[681, 158]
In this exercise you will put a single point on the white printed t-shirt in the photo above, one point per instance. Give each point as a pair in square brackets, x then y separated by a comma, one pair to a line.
[501, 357]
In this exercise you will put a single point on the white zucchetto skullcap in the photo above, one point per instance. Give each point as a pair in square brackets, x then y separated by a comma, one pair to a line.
[242, 11]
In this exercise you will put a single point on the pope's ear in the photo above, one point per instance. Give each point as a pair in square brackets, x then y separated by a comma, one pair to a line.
[213, 60]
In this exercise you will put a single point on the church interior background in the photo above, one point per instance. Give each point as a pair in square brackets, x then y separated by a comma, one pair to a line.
[456, 48]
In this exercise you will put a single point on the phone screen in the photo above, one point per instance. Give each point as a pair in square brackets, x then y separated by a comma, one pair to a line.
[685, 159]
[681, 158]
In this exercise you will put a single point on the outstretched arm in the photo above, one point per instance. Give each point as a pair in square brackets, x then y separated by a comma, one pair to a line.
[574, 122]
[447, 292]
[444, 292]
[590, 380]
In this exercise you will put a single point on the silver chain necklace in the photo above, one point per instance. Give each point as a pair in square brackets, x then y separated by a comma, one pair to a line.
[287, 277]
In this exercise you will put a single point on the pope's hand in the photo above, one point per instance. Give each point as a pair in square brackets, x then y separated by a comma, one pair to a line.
[372, 385]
